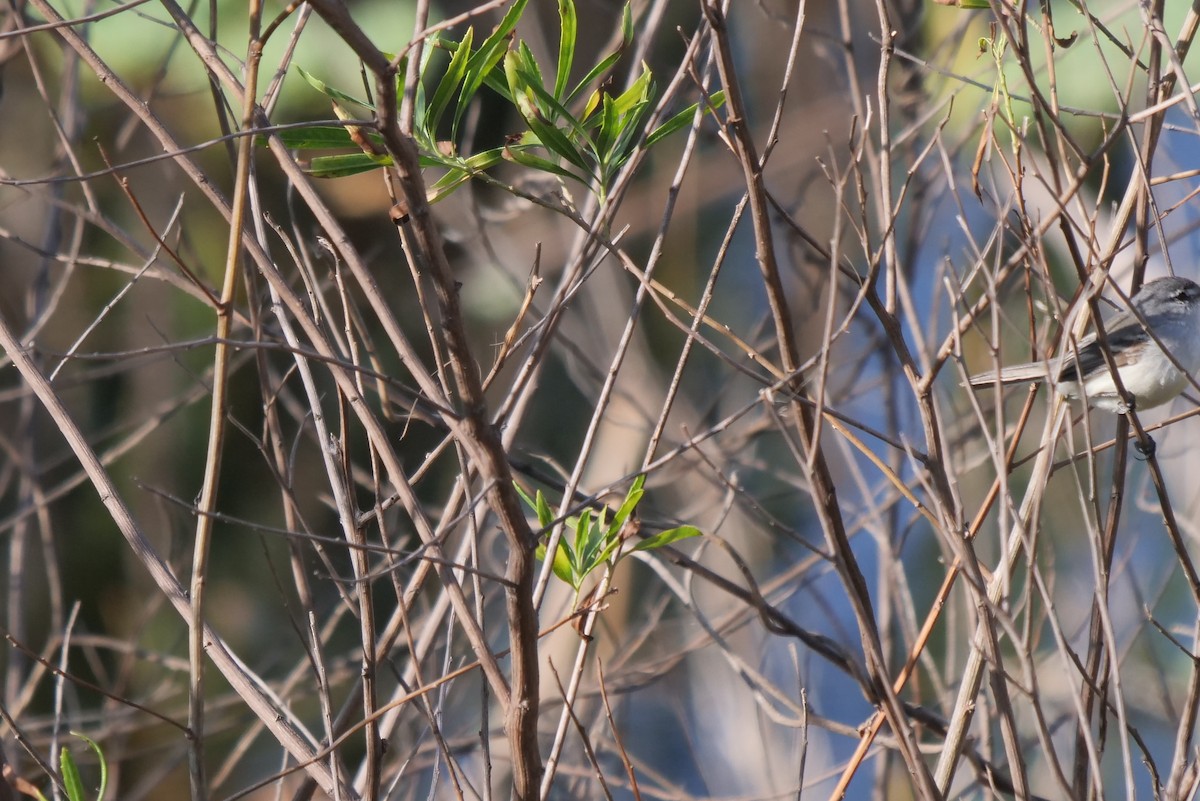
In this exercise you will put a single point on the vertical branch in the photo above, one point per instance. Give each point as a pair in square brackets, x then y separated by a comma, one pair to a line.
[218, 413]
[823, 490]
[480, 439]
[887, 213]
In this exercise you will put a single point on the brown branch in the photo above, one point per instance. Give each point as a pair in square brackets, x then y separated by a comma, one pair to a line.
[823, 490]
[423, 243]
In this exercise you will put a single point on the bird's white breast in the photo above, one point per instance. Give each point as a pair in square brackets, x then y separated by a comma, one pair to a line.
[1153, 378]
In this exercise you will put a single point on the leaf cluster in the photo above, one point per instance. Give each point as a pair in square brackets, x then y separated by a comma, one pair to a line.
[72, 780]
[578, 131]
[591, 541]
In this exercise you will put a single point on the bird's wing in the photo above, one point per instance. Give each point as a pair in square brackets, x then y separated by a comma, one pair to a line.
[1124, 333]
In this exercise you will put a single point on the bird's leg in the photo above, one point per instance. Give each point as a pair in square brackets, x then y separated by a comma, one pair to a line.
[1145, 444]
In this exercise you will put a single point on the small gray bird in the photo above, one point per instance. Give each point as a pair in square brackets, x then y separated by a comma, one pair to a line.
[1171, 309]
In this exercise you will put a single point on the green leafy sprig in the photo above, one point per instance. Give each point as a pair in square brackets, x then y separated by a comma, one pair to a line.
[591, 541]
[580, 132]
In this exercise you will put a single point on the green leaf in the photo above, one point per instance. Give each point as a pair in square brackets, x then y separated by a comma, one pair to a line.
[631, 129]
[586, 543]
[345, 164]
[627, 25]
[591, 105]
[551, 108]
[445, 186]
[72, 781]
[527, 159]
[638, 92]
[632, 499]
[593, 74]
[667, 537]
[329, 91]
[481, 66]
[551, 137]
[528, 65]
[684, 119]
[540, 507]
[456, 71]
[103, 764]
[461, 171]
[621, 123]
[561, 566]
[610, 126]
[568, 26]
[609, 549]
[506, 26]
[545, 514]
[321, 137]
[524, 496]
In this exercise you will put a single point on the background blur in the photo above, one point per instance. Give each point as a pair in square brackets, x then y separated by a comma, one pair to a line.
[968, 182]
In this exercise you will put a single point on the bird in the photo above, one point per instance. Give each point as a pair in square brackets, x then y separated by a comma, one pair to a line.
[1170, 308]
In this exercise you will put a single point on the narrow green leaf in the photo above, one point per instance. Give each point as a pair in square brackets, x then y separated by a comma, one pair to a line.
[345, 164]
[594, 73]
[72, 781]
[420, 105]
[431, 158]
[484, 159]
[507, 25]
[545, 514]
[631, 129]
[481, 66]
[585, 543]
[684, 118]
[627, 24]
[572, 554]
[667, 537]
[481, 69]
[320, 137]
[592, 103]
[568, 26]
[553, 110]
[527, 159]
[549, 136]
[512, 75]
[456, 71]
[609, 549]
[539, 506]
[496, 82]
[103, 764]
[445, 186]
[599, 540]
[328, 90]
[561, 566]
[610, 126]
[638, 92]
[462, 171]
[528, 65]
[524, 496]
[632, 498]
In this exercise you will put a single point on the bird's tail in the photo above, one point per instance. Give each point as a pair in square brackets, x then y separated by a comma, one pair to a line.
[1013, 374]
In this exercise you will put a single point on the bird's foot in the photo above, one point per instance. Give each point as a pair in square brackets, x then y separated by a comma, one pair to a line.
[1147, 448]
